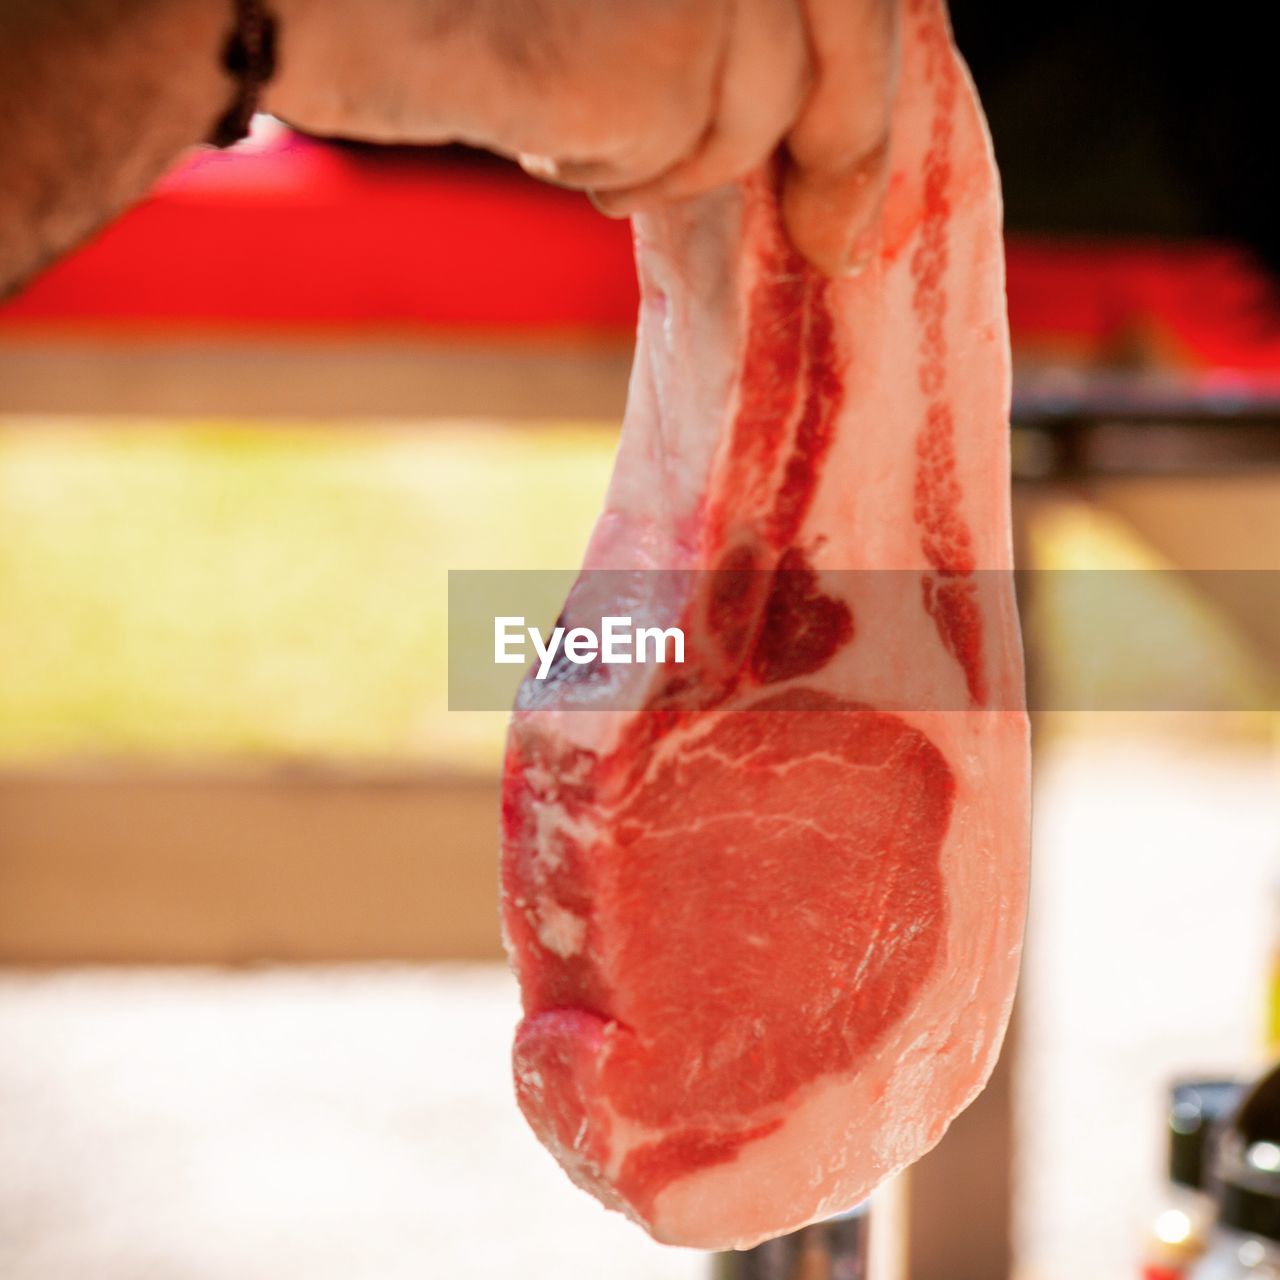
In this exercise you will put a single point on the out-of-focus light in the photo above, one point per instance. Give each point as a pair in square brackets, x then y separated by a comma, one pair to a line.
[1265, 1155]
[1251, 1253]
[266, 133]
[1173, 1227]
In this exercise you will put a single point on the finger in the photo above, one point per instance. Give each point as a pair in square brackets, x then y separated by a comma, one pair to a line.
[763, 81]
[601, 207]
[577, 175]
[641, 105]
[581, 175]
[594, 177]
[838, 149]
[830, 214]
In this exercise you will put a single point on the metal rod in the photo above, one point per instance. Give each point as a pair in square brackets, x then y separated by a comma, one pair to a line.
[832, 1250]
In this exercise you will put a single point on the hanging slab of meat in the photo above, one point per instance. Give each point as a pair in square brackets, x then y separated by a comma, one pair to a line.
[765, 907]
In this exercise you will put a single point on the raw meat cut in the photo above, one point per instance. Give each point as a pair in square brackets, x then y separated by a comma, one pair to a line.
[766, 908]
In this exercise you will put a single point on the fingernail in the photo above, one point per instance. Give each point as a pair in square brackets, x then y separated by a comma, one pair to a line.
[538, 166]
[603, 205]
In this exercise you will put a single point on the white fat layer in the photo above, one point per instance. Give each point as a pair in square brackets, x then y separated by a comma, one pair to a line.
[559, 929]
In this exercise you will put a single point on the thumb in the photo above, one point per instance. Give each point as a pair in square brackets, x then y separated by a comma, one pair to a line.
[831, 213]
[838, 148]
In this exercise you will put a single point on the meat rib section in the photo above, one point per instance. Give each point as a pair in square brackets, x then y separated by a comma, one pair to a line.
[766, 909]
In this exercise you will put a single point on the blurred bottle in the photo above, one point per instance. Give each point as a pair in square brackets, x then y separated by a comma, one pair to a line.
[1179, 1234]
[836, 1249]
[1245, 1243]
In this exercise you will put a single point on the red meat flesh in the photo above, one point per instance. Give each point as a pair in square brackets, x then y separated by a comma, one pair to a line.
[766, 908]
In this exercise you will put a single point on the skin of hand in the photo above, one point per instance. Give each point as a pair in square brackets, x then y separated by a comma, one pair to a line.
[97, 97]
[636, 101]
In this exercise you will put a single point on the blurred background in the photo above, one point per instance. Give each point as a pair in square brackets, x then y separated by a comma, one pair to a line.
[254, 1019]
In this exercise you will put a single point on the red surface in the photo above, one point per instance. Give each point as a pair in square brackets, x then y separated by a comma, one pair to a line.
[1208, 306]
[305, 236]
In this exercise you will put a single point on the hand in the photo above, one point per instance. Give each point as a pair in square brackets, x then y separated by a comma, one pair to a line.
[836, 140]
[637, 101]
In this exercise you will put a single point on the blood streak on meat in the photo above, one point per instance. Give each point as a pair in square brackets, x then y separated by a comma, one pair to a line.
[801, 628]
[766, 915]
[816, 428]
